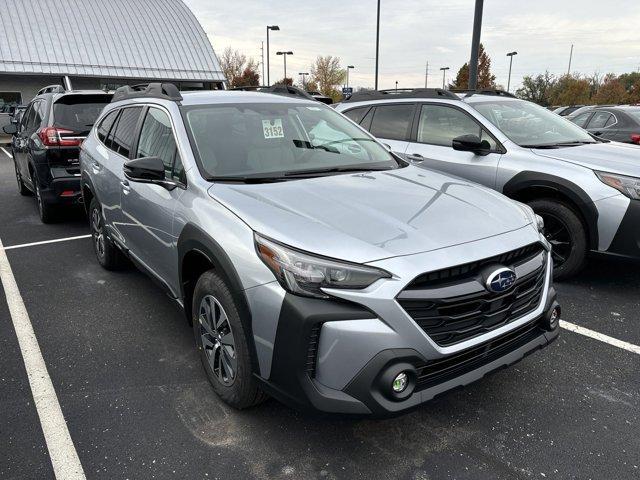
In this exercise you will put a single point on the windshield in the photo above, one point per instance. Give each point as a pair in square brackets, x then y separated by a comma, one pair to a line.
[79, 112]
[279, 140]
[530, 125]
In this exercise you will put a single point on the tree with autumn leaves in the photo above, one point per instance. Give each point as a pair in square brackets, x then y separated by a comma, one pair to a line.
[486, 79]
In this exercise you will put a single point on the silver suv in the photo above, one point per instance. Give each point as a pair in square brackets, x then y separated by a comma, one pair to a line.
[586, 189]
[314, 265]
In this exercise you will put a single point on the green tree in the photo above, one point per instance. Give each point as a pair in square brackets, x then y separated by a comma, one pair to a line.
[486, 79]
[611, 91]
[537, 89]
[328, 75]
[571, 90]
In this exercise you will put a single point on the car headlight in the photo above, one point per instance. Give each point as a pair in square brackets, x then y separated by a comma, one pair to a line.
[306, 274]
[536, 219]
[629, 186]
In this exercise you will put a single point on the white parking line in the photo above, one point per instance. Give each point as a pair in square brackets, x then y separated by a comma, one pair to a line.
[64, 457]
[44, 242]
[600, 336]
[6, 153]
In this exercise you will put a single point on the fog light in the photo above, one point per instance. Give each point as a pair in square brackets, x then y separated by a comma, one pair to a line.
[400, 382]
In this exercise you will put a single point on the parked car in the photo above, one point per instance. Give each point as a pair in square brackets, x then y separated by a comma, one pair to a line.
[567, 110]
[46, 145]
[586, 189]
[314, 264]
[619, 123]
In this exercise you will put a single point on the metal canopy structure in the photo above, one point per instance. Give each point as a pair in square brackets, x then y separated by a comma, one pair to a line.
[120, 38]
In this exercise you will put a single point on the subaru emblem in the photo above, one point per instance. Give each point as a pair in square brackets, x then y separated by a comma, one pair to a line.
[501, 280]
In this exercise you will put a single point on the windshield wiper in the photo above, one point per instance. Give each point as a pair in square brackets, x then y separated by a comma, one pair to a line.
[310, 146]
[559, 144]
[320, 171]
[246, 179]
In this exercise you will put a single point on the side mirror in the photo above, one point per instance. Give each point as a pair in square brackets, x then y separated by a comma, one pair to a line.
[10, 129]
[471, 143]
[147, 170]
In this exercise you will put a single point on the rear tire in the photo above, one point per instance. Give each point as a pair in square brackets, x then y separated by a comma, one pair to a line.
[222, 343]
[22, 188]
[567, 235]
[46, 211]
[107, 254]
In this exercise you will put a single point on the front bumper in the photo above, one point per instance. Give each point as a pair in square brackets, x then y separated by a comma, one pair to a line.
[626, 241]
[336, 355]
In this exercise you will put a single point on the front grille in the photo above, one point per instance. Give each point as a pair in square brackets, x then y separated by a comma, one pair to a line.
[312, 349]
[449, 320]
[439, 371]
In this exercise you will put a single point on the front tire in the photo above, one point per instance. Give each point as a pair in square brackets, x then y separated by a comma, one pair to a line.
[107, 254]
[222, 343]
[567, 235]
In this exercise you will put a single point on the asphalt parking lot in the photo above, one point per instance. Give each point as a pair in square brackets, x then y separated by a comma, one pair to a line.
[138, 405]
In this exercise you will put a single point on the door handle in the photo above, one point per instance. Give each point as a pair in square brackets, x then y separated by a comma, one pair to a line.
[126, 188]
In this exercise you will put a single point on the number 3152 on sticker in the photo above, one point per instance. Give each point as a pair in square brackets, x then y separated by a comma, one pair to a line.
[272, 128]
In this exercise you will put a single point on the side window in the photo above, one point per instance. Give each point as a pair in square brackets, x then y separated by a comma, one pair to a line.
[600, 120]
[27, 118]
[122, 136]
[157, 140]
[357, 114]
[392, 121]
[38, 114]
[106, 124]
[581, 120]
[440, 124]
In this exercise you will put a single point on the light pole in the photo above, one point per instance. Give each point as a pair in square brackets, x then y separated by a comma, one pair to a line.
[510, 55]
[444, 74]
[475, 45]
[284, 54]
[377, 42]
[349, 67]
[396, 86]
[274, 28]
[303, 75]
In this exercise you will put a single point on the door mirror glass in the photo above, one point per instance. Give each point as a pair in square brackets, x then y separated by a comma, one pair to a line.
[471, 143]
[145, 169]
[10, 129]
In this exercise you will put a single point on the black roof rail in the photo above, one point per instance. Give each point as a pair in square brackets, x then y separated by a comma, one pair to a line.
[364, 95]
[166, 91]
[52, 89]
[487, 91]
[277, 89]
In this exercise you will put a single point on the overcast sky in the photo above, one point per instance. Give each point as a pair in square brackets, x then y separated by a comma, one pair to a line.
[606, 35]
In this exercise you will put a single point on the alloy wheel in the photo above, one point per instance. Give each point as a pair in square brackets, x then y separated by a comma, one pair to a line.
[217, 340]
[558, 235]
[97, 232]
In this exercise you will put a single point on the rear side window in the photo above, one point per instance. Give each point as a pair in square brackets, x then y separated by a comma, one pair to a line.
[105, 125]
[121, 137]
[357, 114]
[392, 121]
[601, 120]
[78, 113]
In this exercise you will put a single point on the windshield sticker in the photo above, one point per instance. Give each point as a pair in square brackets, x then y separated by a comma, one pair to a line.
[272, 128]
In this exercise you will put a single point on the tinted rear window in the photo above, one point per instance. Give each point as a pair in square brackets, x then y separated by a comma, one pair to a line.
[78, 112]
[122, 138]
[392, 121]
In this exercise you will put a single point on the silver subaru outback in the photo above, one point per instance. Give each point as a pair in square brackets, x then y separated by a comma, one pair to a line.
[314, 265]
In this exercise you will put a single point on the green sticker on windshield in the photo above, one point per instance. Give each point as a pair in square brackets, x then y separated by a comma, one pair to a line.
[272, 128]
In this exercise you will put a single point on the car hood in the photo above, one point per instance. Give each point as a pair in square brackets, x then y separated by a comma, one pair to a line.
[369, 216]
[611, 157]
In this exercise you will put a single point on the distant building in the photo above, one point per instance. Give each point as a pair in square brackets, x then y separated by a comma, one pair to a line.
[101, 44]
